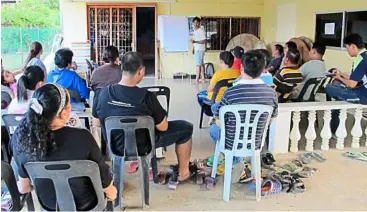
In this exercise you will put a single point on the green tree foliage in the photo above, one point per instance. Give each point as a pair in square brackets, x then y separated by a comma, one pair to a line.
[31, 13]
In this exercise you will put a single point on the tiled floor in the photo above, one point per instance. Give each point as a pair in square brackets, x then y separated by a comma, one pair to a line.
[340, 184]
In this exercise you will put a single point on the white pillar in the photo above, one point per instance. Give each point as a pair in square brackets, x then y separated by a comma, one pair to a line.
[357, 128]
[326, 132]
[295, 134]
[310, 132]
[279, 133]
[341, 132]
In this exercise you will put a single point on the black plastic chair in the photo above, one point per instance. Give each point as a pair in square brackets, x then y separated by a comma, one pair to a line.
[5, 156]
[12, 121]
[129, 124]
[209, 70]
[312, 86]
[89, 72]
[18, 200]
[161, 91]
[60, 172]
[75, 95]
[223, 83]
[323, 85]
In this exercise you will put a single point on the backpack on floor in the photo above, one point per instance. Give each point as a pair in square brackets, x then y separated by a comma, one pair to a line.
[209, 70]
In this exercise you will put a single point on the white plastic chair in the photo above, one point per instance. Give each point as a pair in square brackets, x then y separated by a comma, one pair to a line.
[244, 151]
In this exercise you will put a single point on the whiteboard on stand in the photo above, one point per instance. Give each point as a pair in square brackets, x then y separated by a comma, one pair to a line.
[173, 33]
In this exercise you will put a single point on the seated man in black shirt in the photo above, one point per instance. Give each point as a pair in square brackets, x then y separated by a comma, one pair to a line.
[126, 99]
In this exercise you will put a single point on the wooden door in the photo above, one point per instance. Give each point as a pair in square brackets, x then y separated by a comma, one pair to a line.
[110, 25]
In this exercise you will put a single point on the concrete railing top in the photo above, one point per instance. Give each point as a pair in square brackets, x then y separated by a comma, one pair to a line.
[307, 106]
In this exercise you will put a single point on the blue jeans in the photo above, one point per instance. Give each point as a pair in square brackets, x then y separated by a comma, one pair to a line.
[341, 93]
[202, 95]
[214, 132]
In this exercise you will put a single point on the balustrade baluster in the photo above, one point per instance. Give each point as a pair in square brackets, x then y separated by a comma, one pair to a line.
[310, 132]
[326, 131]
[341, 132]
[295, 134]
[357, 128]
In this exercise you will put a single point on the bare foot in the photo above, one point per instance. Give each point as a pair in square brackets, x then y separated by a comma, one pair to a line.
[184, 176]
[196, 81]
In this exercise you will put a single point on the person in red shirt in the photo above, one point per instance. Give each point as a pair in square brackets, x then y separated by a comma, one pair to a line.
[237, 52]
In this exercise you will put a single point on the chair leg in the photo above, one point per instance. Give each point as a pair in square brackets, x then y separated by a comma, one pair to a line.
[30, 204]
[257, 167]
[227, 176]
[109, 206]
[216, 161]
[201, 117]
[154, 166]
[144, 180]
[118, 172]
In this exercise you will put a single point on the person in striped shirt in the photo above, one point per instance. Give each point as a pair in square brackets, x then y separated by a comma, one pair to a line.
[287, 78]
[249, 90]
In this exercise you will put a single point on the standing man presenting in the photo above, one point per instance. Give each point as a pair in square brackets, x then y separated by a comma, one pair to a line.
[198, 40]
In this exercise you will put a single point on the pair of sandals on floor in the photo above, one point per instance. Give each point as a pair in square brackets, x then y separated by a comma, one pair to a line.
[199, 174]
[357, 155]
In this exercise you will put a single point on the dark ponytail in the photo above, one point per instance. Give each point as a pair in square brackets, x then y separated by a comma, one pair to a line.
[28, 81]
[34, 134]
[34, 49]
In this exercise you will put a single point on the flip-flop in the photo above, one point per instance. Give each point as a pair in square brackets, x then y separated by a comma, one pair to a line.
[318, 156]
[220, 170]
[291, 167]
[297, 163]
[357, 155]
[271, 187]
[297, 186]
[306, 158]
[163, 178]
[210, 160]
[173, 181]
[208, 184]
[133, 166]
[307, 172]
[200, 175]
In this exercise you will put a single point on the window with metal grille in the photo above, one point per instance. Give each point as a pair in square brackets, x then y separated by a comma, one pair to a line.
[220, 30]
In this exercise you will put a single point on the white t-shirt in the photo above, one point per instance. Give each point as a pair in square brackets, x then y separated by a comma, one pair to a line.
[199, 34]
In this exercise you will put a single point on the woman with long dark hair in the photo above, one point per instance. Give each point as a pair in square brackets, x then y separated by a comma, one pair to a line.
[43, 136]
[34, 57]
[32, 78]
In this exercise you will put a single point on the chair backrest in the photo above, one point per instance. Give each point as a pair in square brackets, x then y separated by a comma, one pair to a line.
[310, 89]
[223, 83]
[7, 174]
[161, 91]
[129, 125]
[12, 121]
[5, 99]
[75, 95]
[60, 172]
[254, 127]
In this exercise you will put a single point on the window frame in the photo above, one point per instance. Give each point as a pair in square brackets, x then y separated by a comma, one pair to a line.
[344, 23]
[242, 18]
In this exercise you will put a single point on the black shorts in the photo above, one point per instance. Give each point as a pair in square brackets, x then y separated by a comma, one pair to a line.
[178, 132]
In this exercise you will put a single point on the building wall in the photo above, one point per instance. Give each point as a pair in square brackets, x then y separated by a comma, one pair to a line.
[75, 24]
[305, 23]
[184, 62]
[74, 21]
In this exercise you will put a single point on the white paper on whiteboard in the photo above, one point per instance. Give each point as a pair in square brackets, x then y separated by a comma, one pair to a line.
[329, 28]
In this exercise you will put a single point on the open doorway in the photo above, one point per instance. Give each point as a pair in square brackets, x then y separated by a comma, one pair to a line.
[145, 37]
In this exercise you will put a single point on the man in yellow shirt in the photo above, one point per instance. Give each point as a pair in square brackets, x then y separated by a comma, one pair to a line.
[226, 60]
